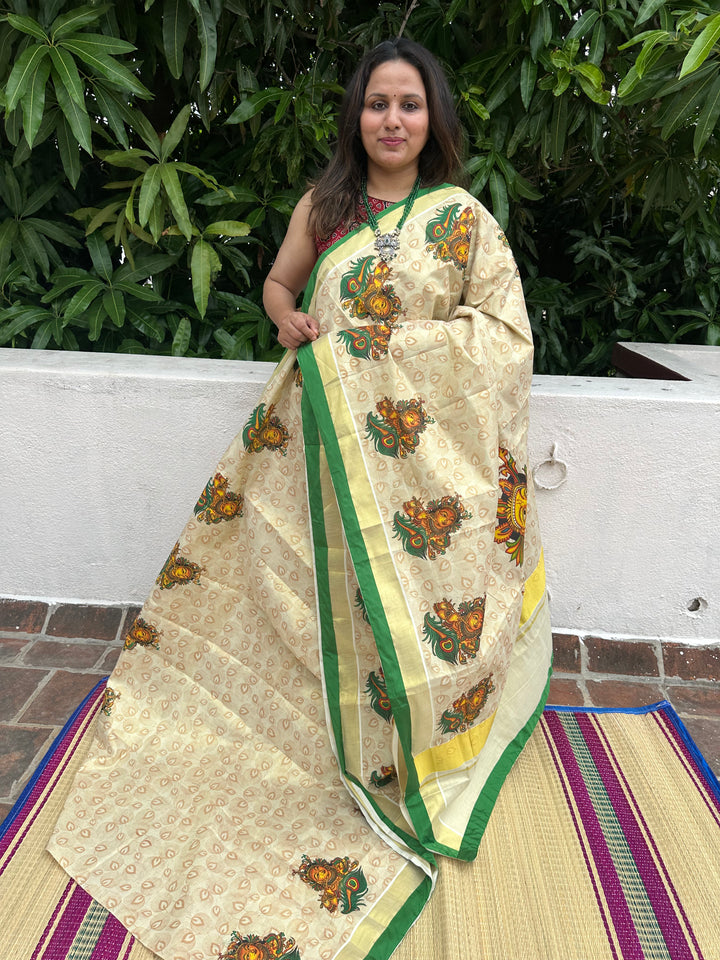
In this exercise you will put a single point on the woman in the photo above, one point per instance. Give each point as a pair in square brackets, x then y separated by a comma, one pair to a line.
[349, 644]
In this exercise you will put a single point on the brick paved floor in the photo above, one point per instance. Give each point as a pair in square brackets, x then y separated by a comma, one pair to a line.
[51, 656]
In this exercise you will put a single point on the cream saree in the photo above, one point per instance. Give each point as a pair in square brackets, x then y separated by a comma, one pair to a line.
[349, 645]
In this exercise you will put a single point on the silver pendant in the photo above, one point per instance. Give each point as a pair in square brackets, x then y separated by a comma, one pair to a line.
[387, 244]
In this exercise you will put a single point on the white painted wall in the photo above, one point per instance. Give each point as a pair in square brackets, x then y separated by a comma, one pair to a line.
[102, 458]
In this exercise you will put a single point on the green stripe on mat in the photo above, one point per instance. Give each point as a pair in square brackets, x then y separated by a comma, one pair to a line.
[89, 933]
[636, 896]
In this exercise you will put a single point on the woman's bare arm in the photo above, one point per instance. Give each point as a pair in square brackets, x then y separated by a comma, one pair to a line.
[287, 278]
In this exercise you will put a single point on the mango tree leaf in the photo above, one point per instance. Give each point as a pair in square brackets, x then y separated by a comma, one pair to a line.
[24, 318]
[64, 280]
[141, 291]
[682, 107]
[69, 154]
[68, 23]
[95, 315]
[27, 25]
[34, 250]
[647, 9]
[22, 73]
[708, 118]
[254, 104]
[558, 128]
[203, 264]
[105, 215]
[181, 340]
[39, 198]
[77, 118]
[176, 21]
[171, 182]
[99, 44]
[528, 76]
[205, 178]
[584, 24]
[156, 219]
[114, 304]
[227, 228]
[107, 101]
[207, 33]
[95, 56]
[700, 50]
[97, 248]
[42, 336]
[57, 325]
[53, 230]
[175, 133]
[597, 44]
[502, 91]
[80, 301]
[146, 324]
[498, 193]
[66, 72]
[145, 268]
[33, 102]
[135, 158]
[151, 183]
[11, 193]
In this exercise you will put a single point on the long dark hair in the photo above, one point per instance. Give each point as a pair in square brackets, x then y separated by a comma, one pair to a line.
[337, 192]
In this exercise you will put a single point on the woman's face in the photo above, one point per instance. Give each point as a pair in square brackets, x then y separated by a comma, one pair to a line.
[394, 123]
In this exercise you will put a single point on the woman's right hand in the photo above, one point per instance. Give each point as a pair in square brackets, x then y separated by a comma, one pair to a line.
[296, 328]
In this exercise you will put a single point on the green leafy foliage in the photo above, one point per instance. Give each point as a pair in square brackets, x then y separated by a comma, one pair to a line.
[151, 155]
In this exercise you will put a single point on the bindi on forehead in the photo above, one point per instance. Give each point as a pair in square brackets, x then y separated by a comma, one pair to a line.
[395, 95]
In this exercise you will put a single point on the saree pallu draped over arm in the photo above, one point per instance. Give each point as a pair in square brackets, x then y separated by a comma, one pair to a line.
[349, 644]
[435, 637]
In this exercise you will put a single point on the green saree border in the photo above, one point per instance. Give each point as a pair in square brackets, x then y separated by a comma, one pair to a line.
[312, 417]
[480, 815]
[390, 938]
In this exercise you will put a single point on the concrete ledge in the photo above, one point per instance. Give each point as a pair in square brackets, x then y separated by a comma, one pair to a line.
[103, 457]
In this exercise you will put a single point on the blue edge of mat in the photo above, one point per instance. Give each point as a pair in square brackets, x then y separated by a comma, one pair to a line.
[665, 705]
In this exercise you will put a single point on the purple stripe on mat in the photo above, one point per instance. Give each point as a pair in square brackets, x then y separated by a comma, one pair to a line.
[56, 764]
[68, 923]
[56, 912]
[695, 773]
[629, 818]
[614, 895]
[111, 940]
[579, 832]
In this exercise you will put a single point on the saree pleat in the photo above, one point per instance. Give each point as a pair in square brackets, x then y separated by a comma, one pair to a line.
[349, 645]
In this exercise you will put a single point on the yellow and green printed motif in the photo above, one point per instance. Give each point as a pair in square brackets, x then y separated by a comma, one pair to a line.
[367, 292]
[360, 604]
[448, 235]
[142, 634]
[512, 507]
[263, 431]
[396, 429]
[385, 776]
[217, 503]
[467, 708]
[110, 697]
[275, 946]
[178, 570]
[425, 530]
[379, 699]
[454, 632]
[340, 882]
